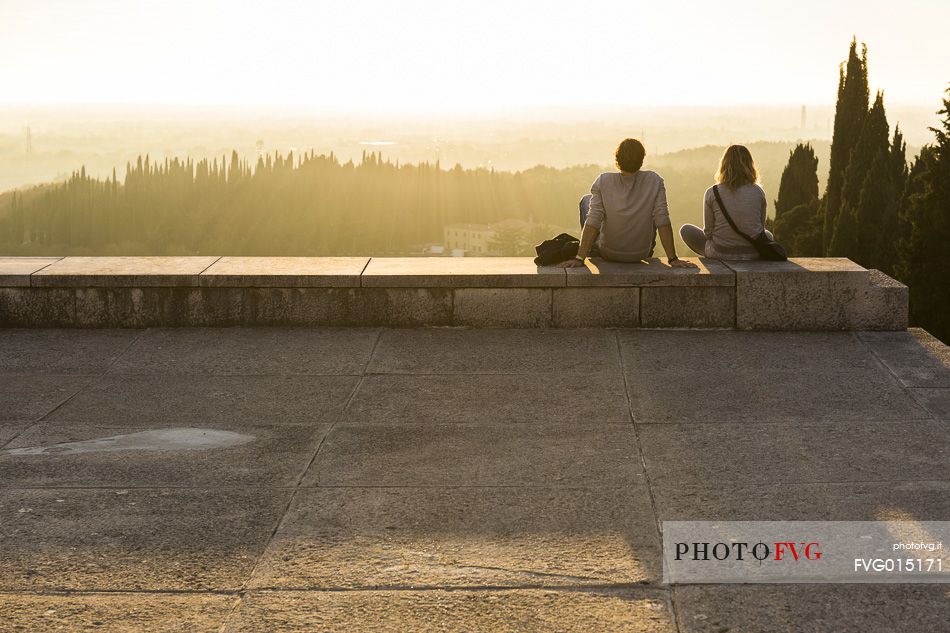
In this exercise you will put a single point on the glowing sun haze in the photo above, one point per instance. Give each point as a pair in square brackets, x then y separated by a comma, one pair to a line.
[451, 56]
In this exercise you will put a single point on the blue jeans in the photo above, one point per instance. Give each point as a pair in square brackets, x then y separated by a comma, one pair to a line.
[585, 208]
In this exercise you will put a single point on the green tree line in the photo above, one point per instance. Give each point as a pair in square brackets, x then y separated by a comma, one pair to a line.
[285, 205]
[876, 210]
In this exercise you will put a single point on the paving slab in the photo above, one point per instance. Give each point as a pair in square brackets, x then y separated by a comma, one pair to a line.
[285, 272]
[936, 401]
[775, 453]
[128, 539]
[115, 612]
[462, 537]
[591, 455]
[91, 272]
[249, 351]
[707, 394]
[812, 608]
[651, 272]
[460, 272]
[540, 398]
[27, 397]
[170, 401]
[845, 501]
[911, 361]
[16, 271]
[9, 430]
[641, 610]
[676, 351]
[192, 454]
[450, 351]
[61, 351]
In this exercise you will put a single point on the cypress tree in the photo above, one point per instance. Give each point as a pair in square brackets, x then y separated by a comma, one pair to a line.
[894, 229]
[850, 111]
[878, 200]
[927, 258]
[852, 223]
[797, 223]
[799, 183]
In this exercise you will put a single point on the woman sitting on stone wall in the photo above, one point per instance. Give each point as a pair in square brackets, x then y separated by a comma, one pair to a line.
[745, 202]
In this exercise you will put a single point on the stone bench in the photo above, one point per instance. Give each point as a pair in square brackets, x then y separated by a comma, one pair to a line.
[801, 294]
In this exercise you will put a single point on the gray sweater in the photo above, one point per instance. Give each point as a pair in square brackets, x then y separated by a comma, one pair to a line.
[746, 206]
[626, 208]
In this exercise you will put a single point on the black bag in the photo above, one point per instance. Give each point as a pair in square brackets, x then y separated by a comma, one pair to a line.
[556, 250]
[766, 248]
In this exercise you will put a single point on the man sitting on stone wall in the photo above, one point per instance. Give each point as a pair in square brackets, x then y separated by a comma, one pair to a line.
[624, 211]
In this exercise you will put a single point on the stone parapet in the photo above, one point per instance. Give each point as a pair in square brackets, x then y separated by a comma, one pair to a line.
[800, 294]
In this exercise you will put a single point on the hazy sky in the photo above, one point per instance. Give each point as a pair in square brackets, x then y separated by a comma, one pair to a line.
[450, 56]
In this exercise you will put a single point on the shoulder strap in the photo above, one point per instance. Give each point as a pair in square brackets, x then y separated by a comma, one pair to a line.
[726, 215]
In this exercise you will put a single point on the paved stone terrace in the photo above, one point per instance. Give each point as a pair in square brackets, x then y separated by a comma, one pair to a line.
[450, 479]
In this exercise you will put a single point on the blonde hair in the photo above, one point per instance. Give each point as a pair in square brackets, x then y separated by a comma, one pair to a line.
[736, 168]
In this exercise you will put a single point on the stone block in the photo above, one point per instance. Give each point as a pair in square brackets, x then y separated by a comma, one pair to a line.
[596, 307]
[460, 272]
[502, 307]
[688, 307]
[652, 272]
[37, 307]
[16, 271]
[799, 294]
[154, 307]
[285, 272]
[402, 307]
[883, 305]
[112, 307]
[80, 272]
[298, 306]
[214, 306]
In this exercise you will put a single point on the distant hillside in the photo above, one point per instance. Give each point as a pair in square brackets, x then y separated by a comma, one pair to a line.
[317, 205]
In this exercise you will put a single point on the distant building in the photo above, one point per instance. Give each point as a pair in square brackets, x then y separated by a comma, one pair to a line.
[476, 240]
[468, 239]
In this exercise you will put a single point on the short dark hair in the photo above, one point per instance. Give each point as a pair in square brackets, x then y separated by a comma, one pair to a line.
[630, 154]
